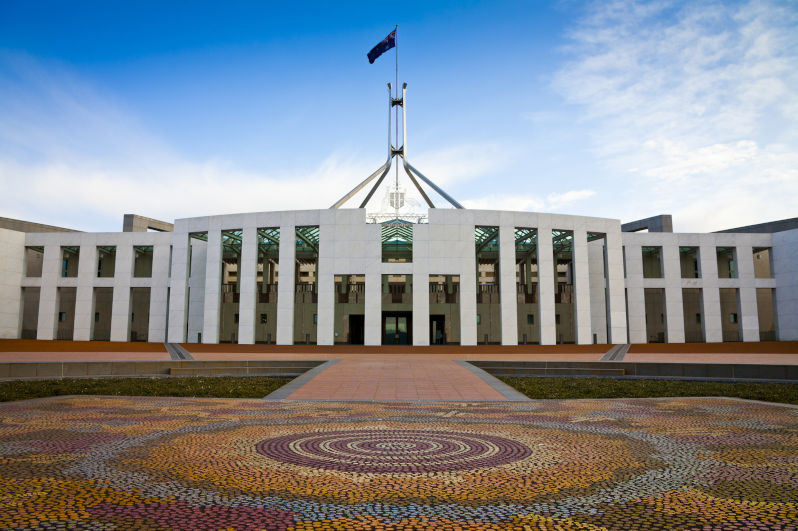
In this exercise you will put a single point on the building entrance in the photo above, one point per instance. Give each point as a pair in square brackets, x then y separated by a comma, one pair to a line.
[397, 328]
[356, 329]
[437, 330]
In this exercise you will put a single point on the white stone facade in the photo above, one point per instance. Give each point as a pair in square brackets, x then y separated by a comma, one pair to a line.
[609, 285]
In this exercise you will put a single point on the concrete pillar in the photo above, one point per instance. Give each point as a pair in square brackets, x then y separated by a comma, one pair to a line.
[178, 288]
[749, 312]
[325, 310]
[84, 294]
[285, 286]
[635, 294]
[248, 286]
[581, 281]
[547, 274]
[785, 273]
[420, 305]
[12, 264]
[713, 331]
[616, 284]
[372, 327]
[159, 289]
[48, 296]
[674, 308]
[508, 298]
[468, 291]
[120, 308]
[213, 287]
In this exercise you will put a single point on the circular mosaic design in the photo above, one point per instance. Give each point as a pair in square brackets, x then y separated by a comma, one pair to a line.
[385, 451]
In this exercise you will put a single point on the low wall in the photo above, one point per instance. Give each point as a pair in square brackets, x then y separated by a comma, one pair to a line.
[712, 371]
[121, 369]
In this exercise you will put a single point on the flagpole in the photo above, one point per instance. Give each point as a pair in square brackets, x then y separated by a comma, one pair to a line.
[396, 91]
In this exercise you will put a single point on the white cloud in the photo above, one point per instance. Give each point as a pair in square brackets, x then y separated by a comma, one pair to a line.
[692, 105]
[72, 156]
[528, 203]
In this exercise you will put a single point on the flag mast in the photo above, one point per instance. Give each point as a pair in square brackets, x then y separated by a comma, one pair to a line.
[396, 111]
[392, 41]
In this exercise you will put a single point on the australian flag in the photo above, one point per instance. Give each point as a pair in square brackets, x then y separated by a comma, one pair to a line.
[383, 46]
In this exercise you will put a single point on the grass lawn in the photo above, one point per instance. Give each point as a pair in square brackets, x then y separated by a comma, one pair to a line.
[559, 388]
[216, 387]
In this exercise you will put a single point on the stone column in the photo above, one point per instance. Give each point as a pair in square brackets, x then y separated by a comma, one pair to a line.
[581, 281]
[120, 308]
[159, 289]
[547, 274]
[248, 284]
[213, 287]
[285, 285]
[84, 294]
[508, 297]
[48, 296]
[674, 308]
[178, 288]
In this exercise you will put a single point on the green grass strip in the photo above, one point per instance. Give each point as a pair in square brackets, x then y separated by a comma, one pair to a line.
[215, 387]
[561, 388]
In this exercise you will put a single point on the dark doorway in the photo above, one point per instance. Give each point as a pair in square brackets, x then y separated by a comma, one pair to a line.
[437, 329]
[357, 324]
[397, 328]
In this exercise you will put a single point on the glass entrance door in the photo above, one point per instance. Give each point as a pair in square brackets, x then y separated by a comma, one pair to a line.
[396, 329]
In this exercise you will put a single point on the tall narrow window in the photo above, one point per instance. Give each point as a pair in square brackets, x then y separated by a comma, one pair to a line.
[106, 261]
[652, 262]
[563, 249]
[231, 284]
[306, 294]
[489, 329]
[70, 257]
[397, 309]
[268, 277]
[727, 262]
[350, 309]
[444, 309]
[526, 284]
[655, 315]
[693, 309]
[688, 260]
[142, 261]
[34, 257]
[763, 264]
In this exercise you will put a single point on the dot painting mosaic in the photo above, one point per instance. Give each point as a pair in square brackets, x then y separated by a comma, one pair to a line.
[210, 464]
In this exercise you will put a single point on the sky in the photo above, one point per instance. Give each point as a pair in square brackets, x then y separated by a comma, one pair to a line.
[621, 109]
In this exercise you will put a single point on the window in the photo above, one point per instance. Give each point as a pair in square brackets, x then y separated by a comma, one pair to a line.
[698, 318]
[61, 317]
[315, 318]
[557, 318]
[263, 318]
[530, 319]
[733, 318]
[479, 319]
[235, 318]
[96, 317]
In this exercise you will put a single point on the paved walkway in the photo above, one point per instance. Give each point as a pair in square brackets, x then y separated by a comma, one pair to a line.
[395, 377]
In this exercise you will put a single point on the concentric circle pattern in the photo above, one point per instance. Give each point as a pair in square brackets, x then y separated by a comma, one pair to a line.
[393, 451]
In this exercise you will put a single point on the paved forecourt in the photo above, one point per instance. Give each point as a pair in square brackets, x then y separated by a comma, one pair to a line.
[206, 464]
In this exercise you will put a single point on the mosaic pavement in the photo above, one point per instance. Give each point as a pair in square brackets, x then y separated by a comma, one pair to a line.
[202, 464]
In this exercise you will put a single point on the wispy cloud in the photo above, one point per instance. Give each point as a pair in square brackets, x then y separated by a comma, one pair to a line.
[532, 203]
[694, 106]
[71, 155]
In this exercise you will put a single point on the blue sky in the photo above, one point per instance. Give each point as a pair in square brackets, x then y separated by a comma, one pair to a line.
[617, 109]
